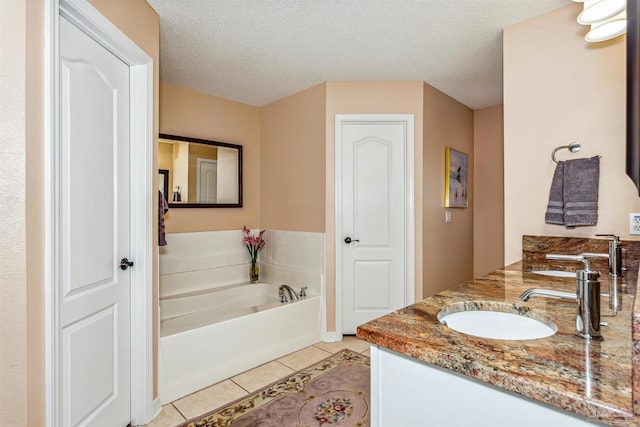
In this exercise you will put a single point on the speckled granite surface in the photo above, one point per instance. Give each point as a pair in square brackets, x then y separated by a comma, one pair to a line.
[636, 356]
[535, 248]
[592, 379]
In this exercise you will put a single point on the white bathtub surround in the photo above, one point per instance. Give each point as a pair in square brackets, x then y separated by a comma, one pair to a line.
[195, 309]
[304, 252]
[214, 324]
[196, 358]
[294, 249]
[181, 313]
[201, 260]
[314, 282]
[202, 250]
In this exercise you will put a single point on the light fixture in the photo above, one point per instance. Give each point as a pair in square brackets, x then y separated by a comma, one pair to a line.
[607, 18]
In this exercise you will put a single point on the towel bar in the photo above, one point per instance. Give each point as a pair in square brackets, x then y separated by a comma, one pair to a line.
[574, 147]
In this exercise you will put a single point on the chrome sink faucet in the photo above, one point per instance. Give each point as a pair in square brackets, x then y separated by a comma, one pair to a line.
[587, 297]
[584, 258]
[615, 254]
[292, 294]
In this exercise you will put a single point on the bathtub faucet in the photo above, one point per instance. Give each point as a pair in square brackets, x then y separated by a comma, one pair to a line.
[292, 294]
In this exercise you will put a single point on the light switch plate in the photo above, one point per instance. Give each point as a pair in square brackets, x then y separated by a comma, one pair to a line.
[634, 223]
[447, 216]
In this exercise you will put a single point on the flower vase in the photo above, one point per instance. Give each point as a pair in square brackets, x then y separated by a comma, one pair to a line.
[254, 274]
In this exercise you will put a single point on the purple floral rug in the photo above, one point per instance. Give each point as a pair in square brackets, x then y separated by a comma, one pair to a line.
[331, 393]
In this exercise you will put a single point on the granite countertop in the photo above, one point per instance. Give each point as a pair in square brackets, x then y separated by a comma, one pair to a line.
[589, 378]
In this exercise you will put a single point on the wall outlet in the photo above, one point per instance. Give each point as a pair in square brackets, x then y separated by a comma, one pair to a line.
[634, 223]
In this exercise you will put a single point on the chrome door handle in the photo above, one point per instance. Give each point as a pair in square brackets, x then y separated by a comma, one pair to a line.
[125, 263]
[348, 240]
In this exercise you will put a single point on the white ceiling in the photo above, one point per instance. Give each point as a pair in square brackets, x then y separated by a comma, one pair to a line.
[258, 51]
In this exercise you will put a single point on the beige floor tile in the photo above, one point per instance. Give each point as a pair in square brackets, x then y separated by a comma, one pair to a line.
[169, 417]
[350, 342]
[305, 357]
[209, 398]
[261, 376]
[234, 388]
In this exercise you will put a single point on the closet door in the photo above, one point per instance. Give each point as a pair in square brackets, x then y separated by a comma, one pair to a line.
[93, 237]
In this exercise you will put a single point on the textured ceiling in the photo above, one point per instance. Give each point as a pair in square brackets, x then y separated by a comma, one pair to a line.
[258, 51]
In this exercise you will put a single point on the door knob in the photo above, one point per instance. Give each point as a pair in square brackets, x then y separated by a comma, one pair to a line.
[348, 240]
[125, 263]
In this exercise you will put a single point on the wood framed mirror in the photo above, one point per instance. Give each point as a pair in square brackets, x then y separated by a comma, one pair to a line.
[163, 183]
[201, 173]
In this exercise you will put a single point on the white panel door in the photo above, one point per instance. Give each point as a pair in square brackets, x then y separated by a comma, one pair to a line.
[93, 223]
[373, 220]
[207, 181]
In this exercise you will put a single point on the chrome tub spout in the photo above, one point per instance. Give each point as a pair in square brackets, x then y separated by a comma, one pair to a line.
[292, 294]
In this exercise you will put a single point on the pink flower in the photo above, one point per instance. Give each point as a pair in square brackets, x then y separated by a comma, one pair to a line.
[254, 243]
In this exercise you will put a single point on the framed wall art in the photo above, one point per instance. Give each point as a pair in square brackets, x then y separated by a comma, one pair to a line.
[456, 173]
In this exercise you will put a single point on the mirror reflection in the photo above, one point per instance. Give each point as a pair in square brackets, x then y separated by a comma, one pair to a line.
[200, 173]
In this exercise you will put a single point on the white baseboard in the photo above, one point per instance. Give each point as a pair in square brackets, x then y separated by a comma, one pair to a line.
[157, 407]
[331, 336]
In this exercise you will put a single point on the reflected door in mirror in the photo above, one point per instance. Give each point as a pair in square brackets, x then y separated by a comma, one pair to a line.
[207, 181]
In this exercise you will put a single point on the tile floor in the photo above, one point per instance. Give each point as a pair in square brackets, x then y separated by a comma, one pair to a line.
[212, 397]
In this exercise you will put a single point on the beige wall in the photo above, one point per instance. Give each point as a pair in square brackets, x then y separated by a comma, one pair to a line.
[370, 98]
[13, 244]
[298, 195]
[292, 163]
[36, 401]
[488, 181]
[187, 113]
[165, 156]
[296, 190]
[448, 247]
[165, 160]
[558, 89]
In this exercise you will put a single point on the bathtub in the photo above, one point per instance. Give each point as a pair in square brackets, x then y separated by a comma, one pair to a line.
[209, 335]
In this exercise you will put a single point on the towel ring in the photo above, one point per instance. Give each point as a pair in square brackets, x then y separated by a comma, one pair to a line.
[574, 147]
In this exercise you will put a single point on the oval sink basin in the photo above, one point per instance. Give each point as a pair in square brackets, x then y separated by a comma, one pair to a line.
[555, 273]
[496, 322]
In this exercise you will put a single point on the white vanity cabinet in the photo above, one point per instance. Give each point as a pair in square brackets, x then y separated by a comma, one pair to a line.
[406, 392]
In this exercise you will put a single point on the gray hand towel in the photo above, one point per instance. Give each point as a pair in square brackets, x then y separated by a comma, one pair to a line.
[580, 191]
[163, 207]
[555, 208]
